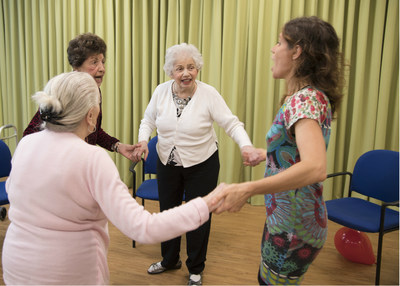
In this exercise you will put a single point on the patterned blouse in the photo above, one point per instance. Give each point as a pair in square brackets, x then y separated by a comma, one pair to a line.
[297, 216]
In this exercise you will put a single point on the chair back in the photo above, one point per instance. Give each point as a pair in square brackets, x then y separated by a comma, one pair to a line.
[5, 159]
[376, 175]
[150, 166]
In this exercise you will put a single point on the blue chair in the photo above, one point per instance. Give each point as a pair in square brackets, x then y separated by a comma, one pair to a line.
[148, 189]
[375, 175]
[5, 164]
[5, 168]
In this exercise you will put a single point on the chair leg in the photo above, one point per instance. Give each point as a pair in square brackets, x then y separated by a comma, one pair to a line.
[379, 259]
[3, 213]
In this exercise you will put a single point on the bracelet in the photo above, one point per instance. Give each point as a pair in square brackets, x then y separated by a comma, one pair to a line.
[116, 147]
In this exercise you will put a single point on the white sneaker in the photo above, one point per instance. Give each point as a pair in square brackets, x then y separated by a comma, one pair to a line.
[194, 279]
[157, 268]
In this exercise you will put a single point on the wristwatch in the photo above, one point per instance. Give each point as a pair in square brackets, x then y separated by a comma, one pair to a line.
[114, 147]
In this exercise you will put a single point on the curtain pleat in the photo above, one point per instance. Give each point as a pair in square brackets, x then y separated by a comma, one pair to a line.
[235, 38]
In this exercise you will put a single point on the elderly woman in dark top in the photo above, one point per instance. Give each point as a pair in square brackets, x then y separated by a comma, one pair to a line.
[87, 53]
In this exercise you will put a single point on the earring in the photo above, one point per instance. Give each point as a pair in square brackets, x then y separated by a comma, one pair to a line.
[94, 129]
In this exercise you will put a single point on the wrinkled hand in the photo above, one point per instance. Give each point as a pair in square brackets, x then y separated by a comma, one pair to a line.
[252, 156]
[126, 150]
[141, 148]
[233, 197]
[213, 200]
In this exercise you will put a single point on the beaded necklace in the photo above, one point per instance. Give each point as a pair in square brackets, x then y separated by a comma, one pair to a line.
[180, 103]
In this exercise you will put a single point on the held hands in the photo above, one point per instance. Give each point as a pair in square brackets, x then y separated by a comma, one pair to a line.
[213, 201]
[126, 150]
[252, 156]
[229, 198]
[140, 149]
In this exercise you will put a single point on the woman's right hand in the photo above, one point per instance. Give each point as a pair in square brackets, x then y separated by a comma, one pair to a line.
[212, 200]
[140, 149]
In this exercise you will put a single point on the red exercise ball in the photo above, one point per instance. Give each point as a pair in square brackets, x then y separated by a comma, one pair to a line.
[354, 245]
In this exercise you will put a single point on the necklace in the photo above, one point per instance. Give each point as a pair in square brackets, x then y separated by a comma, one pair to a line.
[181, 103]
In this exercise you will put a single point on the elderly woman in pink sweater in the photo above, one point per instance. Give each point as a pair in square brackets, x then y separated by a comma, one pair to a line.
[63, 191]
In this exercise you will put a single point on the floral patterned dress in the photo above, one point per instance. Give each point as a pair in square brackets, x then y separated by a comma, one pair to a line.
[295, 228]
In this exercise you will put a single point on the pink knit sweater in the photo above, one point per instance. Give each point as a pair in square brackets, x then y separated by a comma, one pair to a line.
[62, 193]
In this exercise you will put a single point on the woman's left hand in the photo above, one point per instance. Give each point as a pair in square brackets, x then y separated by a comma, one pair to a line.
[126, 150]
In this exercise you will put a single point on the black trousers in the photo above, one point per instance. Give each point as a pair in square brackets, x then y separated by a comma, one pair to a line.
[195, 181]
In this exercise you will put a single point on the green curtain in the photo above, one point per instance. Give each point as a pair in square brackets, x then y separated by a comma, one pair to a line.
[235, 38]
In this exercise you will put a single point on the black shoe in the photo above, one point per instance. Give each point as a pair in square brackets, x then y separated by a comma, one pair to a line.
[157, 268]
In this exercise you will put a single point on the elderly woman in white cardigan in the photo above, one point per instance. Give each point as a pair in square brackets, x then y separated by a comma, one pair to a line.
[183, 110]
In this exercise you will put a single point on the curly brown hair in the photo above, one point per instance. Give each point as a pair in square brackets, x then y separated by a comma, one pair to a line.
[84, 46]
[320, 63]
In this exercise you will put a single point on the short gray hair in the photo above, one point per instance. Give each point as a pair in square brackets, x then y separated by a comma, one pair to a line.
[177, 50]
[66, 100]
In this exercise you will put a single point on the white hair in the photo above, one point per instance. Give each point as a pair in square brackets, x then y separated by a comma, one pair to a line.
[66, 100]
[177, 51]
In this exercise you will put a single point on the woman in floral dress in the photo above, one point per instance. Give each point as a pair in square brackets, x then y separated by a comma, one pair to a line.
[307, 57]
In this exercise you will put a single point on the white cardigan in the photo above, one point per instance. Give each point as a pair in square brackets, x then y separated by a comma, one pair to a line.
[192, 133]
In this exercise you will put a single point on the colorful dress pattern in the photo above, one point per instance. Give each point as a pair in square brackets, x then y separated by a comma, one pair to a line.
[296, 224]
